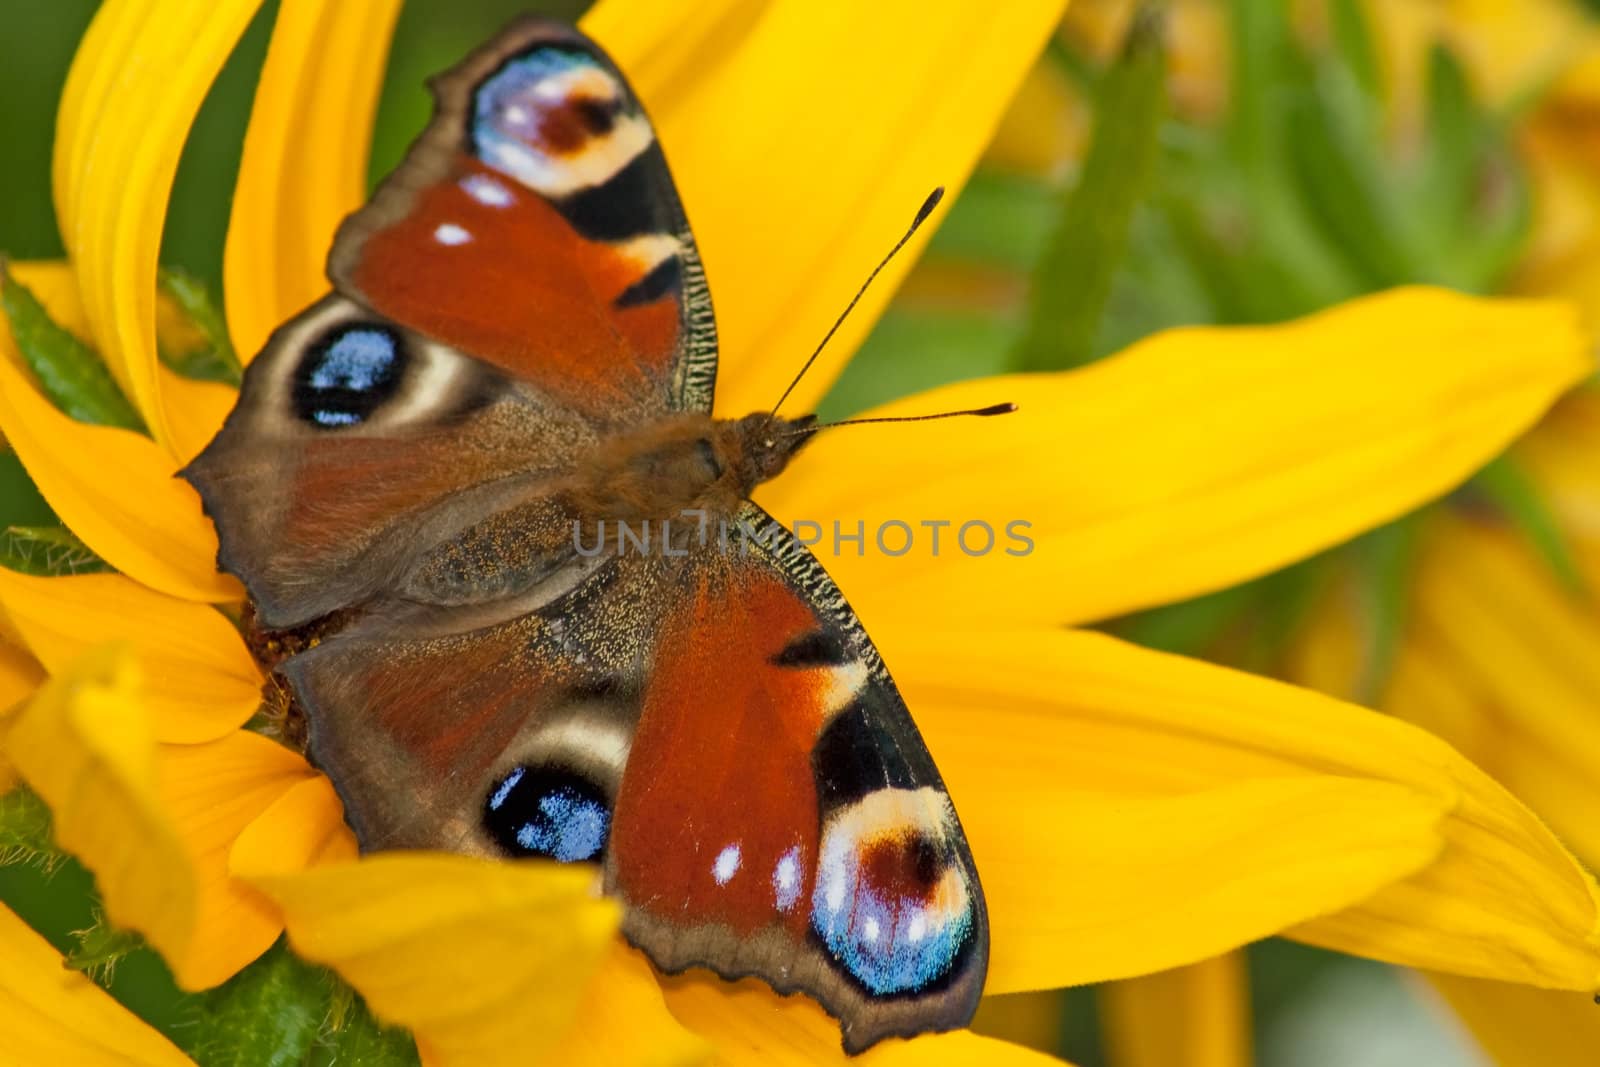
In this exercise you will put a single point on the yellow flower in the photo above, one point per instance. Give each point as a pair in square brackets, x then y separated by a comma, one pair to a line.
[1130, 812]
[1499, 650]
[1498, 653]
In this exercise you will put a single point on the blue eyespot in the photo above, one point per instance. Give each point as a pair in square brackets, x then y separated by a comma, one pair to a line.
[344, 377]
[548, 812]
[891, 912]
[534, 118]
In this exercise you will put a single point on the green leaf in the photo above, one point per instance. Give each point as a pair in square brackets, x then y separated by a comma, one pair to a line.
[999, 220]
[48, 551]
[909, 351]
[1073, 279]
[1342, 176]
[283, 1012]
[20, 501]
[267, 1015]
[1471, 198]
[355, 1038]
[101, 947]
[1455, 127]
[1191, 627]
[209, 354]
[1509, 489]
[69, 371]
[25, 829]
[1353, 38]
[1383, 560]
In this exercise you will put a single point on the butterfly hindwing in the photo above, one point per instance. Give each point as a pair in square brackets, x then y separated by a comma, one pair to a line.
[779, 815]
[717, 730]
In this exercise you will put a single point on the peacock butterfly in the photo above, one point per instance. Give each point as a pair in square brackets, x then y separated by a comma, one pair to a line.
[517, 356]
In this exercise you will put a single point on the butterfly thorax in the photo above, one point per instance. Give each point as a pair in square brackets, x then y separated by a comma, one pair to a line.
[686, 462]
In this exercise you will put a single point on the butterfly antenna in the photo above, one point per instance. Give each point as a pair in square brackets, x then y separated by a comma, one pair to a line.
[922, 216]
[992, 409]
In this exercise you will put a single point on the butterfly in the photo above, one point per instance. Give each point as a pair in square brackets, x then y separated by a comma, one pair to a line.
[416, 486]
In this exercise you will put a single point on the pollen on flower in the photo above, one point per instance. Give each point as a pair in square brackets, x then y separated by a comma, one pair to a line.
[281, 717]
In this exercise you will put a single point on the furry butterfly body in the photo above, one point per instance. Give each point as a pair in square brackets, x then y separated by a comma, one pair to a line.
[516, 362]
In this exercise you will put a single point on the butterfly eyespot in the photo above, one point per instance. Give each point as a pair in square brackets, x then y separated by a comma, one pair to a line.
[892, 909]
[548, 812]
[346, 375]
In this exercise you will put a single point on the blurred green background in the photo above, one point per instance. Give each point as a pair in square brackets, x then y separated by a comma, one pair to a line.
[1327, 211]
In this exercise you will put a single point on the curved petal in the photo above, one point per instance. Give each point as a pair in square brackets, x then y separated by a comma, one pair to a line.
[53, 283]
[20, 674]
[85, 746]
[200, 681]
[1521, 1027]
[53, 1014]
[803, 137]
[1192, 461]
[1560, 456]
[121, 139]
[445, 945]
[1198, 1016]
[1097, 886]
[1504, 899]
[748, 1023]
[155, 823]
[212, 794]
[1491, 618]
[116, 490]
[20, 678]
[303, 828]
[622, 1019]
[315, 101]
[195, 409]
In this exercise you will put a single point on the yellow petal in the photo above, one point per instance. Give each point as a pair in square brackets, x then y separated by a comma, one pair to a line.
[84, 744]
[54, 285]
[20, 674]
[1560, 456]
[195, 410]
[1521, 1027]
[448, 946]
[200, 681]
[315, 101]
[212, 793]
[803, 138]
[119, 135]
[623, 1019]
[303, 828]
[20, 678]
[1195, 460]
[1533, 649]
[52, 1014]
[1197, 1016]
[749, 1024]
[1504, 899]
[116, 490]
[1090, 887]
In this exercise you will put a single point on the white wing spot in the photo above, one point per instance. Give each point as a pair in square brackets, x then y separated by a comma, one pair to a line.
[485, 190]
[786, 879]
[726, 865]
[449, 233]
